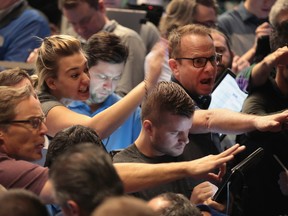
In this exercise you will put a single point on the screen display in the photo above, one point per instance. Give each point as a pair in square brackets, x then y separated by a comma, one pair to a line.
[227, 94]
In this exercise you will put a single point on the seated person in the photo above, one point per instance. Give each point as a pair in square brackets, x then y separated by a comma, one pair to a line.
[271, 97]
[229, 59]
[161, 142]
[68, 138]
[106, 57]
[89, 179]
[89, 17]
[20, 25]
[258, 75]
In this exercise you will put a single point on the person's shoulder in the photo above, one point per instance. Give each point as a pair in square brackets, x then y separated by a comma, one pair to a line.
[7, 163]
[128, 154]
[233, 14]
[45, 96]
[149, 26]
[228, 16]
[31, 14]
[48, 102]
[77, 104]
[126, 33]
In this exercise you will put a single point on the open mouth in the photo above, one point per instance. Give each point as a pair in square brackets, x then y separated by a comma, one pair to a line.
[84, 90]
[206, 81]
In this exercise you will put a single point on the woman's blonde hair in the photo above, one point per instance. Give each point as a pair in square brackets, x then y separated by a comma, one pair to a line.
[51, 51]
[178, 13]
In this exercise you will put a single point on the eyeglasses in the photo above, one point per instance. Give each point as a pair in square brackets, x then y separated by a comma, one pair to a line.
[35, 122]
[200, 62]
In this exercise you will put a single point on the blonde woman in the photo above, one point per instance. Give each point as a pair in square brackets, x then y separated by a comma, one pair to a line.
[63, 74]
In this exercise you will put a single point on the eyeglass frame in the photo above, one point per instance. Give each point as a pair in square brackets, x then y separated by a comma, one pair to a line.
[212, 59]
[31, 121]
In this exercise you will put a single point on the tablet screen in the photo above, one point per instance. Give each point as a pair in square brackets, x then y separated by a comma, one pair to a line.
[227, 94]
[234, 178]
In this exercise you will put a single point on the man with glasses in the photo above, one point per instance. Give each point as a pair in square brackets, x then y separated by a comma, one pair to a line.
[193, 61]
[22, 132]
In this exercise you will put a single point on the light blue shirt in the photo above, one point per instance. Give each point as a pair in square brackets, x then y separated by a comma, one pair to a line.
[125, 135]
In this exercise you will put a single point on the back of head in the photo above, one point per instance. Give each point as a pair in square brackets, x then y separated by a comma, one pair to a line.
[178, 13]
[50, 52]
[279, 36]
[68, 138]
[106, 47]
[167, 97]
[278, 12]
[89, 178]
[20, 202]
[173, 204]
[123, 206]
[182, 12]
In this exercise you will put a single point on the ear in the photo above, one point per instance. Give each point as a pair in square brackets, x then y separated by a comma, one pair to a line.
[174, 66]
[71, 208]
[51, 83]
[147, 125]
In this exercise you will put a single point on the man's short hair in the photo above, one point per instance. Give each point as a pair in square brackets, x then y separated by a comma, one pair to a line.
[69, 137]
[177, 34]
[176, 204]
[21, 202]
[106, 47]
[167, 97]
[279, 36]
[86, 175]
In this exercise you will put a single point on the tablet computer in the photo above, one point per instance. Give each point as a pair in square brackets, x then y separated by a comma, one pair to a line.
[233, 179]
[226, 93]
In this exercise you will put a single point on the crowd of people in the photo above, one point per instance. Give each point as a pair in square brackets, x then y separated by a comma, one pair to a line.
[121, 119]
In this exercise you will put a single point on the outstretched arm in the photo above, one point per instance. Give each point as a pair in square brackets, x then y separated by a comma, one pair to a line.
[230, 122]
[104, 123]
[139, 176]
[258, 74]
[262, 70]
